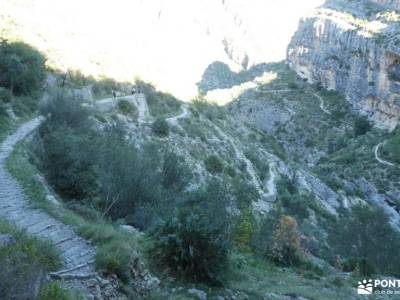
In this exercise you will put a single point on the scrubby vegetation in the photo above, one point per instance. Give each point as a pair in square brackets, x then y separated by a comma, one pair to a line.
[183, 187]
[361, 126]
[161, 104]
[190, 245]
[391, 149]
[21, 67]
[160, 127]
[366, 242]
[22, 76]
[24, 263]
[214, 164]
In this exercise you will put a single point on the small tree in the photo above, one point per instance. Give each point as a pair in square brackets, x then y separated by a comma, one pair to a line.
[214, 164]
[367, 240]
[175, 173]
[361, 126]
[161, 127]
[191, 247]
[22, 68]
[286, 248]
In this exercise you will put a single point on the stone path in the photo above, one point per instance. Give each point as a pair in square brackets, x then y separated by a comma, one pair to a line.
[143, 108]
[322, 104]
[185, 114]
[77, 254]
[380, 160]
[139, 100]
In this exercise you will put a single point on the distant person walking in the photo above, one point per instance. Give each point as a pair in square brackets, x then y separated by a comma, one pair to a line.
[114, 94]
[133, 91]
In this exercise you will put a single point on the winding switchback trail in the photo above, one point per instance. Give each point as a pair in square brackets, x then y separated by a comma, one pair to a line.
[380, 160]
[322, 104]
[77, 254]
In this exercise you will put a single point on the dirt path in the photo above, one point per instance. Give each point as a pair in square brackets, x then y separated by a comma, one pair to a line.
[380, 160]
[263, 204]
[139, 100]
[77, 254]
[322, 104]
[143, 108]
[185, 114]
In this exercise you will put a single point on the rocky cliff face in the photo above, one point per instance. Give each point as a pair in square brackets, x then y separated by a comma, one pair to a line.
[353, 47]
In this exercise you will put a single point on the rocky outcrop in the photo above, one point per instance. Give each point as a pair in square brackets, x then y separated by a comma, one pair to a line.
[353, 47]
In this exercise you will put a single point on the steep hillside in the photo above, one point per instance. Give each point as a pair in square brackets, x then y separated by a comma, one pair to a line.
[353, 47]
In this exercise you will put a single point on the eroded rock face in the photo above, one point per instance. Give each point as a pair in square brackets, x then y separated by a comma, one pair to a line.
[391, 4]
[353, 47]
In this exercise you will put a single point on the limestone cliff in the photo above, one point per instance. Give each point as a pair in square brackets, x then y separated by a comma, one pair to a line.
[353, 47]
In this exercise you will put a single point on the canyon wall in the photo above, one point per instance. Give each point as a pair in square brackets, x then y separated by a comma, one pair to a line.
[353, 47]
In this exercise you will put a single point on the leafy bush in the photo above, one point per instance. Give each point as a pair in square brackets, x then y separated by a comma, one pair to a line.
[3, 111]
[244, 230]
[52, 291]
[190, 247]
[214, 164]
[367, 241]
[126, 107]
[68, 162]
[263, 238]
[392, 148]
[22, 68]
[24, 105]
[160, 104]
[5, 95]
[294, 203]
[286, 249]
[115, 257]
[161, 127]
[62, 109]
[361, 126]
[23, 263]
[175, 174]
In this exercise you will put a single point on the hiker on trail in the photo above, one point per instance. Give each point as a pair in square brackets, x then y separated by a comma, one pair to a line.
[133, 92]
[114, 94]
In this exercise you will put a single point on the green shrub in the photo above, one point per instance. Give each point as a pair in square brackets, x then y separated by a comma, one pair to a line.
[3, 111]
[115, 257]
[286, 249]
[5, 95]
[367, 241]
[68, 162]
[175, 173]
[22, 68]
[191, 247]
[361, 126]
[52, 291]
[23, 263]
[245, 228]
[392, 148]
[161, 127]
[214, 164]
[24, 105]
[126, 107]
[66, 110]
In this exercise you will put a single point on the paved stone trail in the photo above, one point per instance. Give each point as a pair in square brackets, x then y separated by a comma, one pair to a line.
[77, 254]
[380, 160]
[183, 115]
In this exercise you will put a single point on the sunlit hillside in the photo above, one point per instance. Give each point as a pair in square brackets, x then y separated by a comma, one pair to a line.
[167, 42]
